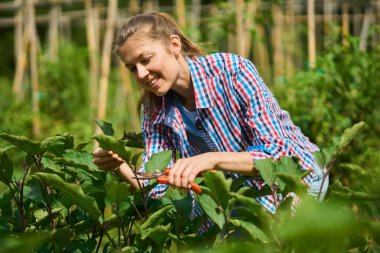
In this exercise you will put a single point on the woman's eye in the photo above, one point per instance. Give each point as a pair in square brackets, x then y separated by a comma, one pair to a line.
[146, 60]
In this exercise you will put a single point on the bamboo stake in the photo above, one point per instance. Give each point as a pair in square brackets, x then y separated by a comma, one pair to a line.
[34, 69]
[134, 7]
[53, 31]
[93, 55]
[239, 28]
[22, 41]
[311, 33]
[106, 59]
[180, 9]
[290, 35]
[327, 22]
[345, 24]
[278, 65]
[365, 28]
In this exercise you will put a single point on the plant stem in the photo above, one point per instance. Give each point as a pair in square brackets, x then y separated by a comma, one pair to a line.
[100, 240]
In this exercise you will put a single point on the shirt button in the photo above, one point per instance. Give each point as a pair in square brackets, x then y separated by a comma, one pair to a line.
[214, 150]
[199, 126]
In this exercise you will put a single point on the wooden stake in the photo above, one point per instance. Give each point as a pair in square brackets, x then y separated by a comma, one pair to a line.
[278, 62]
[345, 24]
[180, 9]
[239, 28]
[22, 42]
[364, 33]
[93, 55]
[311, 33]
[53, 31]
[106, 59]
[34, 69]
[290, 38]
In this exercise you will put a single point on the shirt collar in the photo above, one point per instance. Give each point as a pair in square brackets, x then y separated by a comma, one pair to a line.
[204, 94]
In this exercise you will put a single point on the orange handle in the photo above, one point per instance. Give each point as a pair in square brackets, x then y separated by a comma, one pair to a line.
[165, 180]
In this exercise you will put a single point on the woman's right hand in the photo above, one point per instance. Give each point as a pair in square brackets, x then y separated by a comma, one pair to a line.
[106, 159]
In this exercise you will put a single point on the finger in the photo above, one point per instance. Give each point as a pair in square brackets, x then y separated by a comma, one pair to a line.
[101, 152]
[185, 179]
[172, 172]
[178, 175]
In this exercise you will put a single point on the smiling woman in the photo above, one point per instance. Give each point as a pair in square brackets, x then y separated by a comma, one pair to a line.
[214, 109]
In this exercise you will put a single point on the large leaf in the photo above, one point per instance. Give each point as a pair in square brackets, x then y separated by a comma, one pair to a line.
[219, 187]
[115, 191]
[105, 126]
[266, 168]
[6, 167]
[23, 143]
[158, 234]
[110, 143]
[73, 191]
[249, 202]
[347, 137]
[154, 219]
[159, 161]
[57, 144]
[211, 209]
[252, 230]
[293, 183]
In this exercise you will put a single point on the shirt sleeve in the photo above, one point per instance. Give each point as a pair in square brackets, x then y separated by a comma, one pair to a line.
[156, 140]
[275, 134]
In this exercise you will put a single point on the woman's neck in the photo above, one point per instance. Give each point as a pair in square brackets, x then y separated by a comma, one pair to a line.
[184, 86]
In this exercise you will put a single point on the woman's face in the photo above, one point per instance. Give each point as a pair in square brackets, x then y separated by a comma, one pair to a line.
[154, 66]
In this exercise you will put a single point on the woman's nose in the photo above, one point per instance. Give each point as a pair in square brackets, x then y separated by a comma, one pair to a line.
[142, 72]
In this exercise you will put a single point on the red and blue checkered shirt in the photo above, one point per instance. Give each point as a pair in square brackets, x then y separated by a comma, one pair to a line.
[236, 113]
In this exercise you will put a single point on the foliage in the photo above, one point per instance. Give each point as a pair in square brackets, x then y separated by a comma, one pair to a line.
[63, 202]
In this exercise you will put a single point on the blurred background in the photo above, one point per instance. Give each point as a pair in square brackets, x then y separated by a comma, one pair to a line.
[319, 57]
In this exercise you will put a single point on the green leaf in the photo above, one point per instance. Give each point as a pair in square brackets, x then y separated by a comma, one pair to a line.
[347, 137]
[116, 191]
[238, 183]
[252, 230]
[105, 126]
[6, 167]
[154, 219]
[135, 158]
[158, 234]
[33, 191]
[57, 144]
[249, 202]
[73, 191]
[266, 168]
[211, 209]
[110, 143]
[29, 146]
[219, 187]
[159, 161]
[293, 183]
[183, 203]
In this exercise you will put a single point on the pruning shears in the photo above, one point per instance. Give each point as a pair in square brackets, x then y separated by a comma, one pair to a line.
[162, 178]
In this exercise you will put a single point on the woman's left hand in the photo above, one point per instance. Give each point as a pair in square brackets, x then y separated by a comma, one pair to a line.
[185, 170]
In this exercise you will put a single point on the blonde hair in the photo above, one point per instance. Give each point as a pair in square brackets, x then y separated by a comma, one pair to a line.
[160, 27]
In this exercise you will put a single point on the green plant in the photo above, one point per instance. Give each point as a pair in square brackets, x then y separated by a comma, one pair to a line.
[62, 202]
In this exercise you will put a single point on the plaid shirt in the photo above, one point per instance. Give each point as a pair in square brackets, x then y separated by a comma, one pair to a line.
[236, 113]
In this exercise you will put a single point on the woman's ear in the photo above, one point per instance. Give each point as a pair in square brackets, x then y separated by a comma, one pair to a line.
[175, 44]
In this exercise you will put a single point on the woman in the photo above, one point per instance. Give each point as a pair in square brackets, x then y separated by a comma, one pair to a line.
[215, 110]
